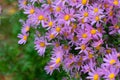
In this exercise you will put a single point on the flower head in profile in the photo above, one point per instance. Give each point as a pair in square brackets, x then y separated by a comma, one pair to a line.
[26, 27]
[49, 68]
[22, 4]
[23, 38]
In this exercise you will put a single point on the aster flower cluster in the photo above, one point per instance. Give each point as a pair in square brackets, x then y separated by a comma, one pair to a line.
[79, 32]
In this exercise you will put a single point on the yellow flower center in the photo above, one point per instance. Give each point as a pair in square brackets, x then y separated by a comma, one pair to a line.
[27, 28]
[58, 9]
[96, 77]
[96, 10]
[83, 20]
[84, 35]
[25, 37]
[71, 56]
[50, 24]
[111, 76]
[86, 14]
[65, 34]
[49, 1]
[57, 44]
[79, 63]
[108, 51]
[90, 55]
[41, 17]
[66, 47]
[58, 29]
[51, 9]
[52, 36]
[106, 5]
[97, 18]
[83, 47]
[84, 2]
[32, 11]
[74, 26]
[111, 13]
[67, 17]
[93, 31]
[75, 38]
[116, 27]
[116, 2]
[98, 47]
[42, 44]
[58, 60]
[112, 61]
[24, 2]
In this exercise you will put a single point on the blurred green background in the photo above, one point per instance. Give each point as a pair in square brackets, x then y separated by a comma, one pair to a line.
[20, 62]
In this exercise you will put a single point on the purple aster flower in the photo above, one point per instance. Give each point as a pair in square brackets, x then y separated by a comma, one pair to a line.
[110, 13]
[56, 60]
[67, 16]
[88, 66]
[23, 38]
[94, 74]
[57, 30]
[74, 40]
[48, 8]
[69, 62]
[49, 23]
[26, 27]
[115, 2]
[58, 51]
[93, 32]
[84, 36]
[66, 32]
[84, 13]
[110, 73]
[49, 68]
[97, 43]
[83, 3]
[40, 45]
[29, 9]
[58, 9]
[114, 29]
[56, 43]
[110, 59]
[96, 19]
[83, 21]
[96, 9]
[66, 48]
[39, 17]
[89, 55]
[78, 62]
[74, 27]
[22, 4]
[83, 48]
[51, 35]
